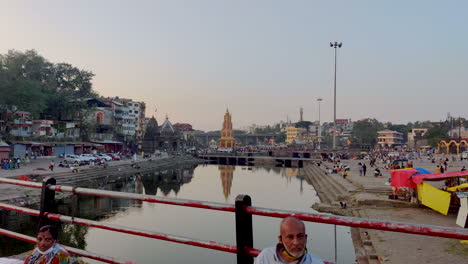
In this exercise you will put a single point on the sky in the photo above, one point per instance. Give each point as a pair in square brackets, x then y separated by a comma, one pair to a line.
[401, 61]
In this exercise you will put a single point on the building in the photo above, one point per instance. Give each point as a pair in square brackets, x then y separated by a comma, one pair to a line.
[343, 124]
[101, 115]
[227, 140]
[182, 127]
[4, 150]
[124, 122]
[415, 137]
[42, 128]
[458, 132]
[291, 134]
[389, 138]
[163, 138]
[20, 123]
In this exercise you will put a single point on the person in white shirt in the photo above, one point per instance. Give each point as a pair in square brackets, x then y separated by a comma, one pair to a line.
[291, 247]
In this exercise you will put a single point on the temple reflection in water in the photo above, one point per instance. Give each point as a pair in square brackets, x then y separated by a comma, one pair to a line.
[165, 182]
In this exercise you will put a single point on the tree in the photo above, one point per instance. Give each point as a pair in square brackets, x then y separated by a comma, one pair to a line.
[304, 124]
[281, 137]
[365, 131]
[28, 82]
[434, 134]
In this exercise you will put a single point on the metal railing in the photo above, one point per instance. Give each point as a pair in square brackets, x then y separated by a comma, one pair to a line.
[242, 208]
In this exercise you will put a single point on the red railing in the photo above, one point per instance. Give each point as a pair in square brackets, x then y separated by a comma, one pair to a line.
[243, 210]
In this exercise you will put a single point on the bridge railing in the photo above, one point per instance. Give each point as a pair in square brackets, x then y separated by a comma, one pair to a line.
[243, 210]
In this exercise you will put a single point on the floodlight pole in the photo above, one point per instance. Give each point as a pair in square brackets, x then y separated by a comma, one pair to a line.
[334, 45]
[320, 126]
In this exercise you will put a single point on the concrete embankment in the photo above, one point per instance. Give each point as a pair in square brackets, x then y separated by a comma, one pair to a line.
[90, 176]
[331, 189]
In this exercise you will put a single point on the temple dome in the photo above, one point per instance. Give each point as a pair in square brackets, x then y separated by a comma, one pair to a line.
[152, 130]
[167, 127]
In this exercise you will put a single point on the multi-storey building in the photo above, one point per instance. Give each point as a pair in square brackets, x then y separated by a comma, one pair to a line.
[389, 138]
[42, 128]
[20, 123]
[124, 123]
[129, 117]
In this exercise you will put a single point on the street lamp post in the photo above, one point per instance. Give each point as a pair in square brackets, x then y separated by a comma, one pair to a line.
[334, 45]
[319, 126]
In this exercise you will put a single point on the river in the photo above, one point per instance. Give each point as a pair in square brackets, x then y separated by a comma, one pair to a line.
[281, 188]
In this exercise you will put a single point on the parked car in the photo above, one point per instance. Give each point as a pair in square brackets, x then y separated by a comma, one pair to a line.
[114, 156]
[72, 158]
[104, 157]
[88, 157]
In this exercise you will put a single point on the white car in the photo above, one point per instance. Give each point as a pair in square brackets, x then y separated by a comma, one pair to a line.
[104, 157]
[88, 157]
[72, 158]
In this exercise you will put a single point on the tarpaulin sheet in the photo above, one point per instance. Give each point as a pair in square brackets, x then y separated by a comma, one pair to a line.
[437, 176]
[434, 198]
[423, 171]
[402, 178]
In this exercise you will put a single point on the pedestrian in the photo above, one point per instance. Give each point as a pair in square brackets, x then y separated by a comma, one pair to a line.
[463, 168]
[51, 165]
[360, 168]
[18, 162]
[442, 169]
[364, 169]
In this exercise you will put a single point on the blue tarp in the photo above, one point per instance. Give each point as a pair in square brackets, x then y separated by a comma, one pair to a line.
[421, 171]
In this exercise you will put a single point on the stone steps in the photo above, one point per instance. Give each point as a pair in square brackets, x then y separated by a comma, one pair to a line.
[319, 186]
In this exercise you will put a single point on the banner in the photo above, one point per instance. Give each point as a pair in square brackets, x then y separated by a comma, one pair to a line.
[434, 198]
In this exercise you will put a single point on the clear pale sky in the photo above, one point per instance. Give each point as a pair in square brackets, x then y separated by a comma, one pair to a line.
[401, 60]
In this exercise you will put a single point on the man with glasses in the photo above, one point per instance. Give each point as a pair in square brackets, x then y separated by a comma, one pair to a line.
[291, 247]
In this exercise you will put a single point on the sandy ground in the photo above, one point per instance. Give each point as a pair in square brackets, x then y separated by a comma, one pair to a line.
[397, 248]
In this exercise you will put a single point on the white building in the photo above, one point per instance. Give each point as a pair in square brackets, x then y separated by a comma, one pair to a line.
[42, 128]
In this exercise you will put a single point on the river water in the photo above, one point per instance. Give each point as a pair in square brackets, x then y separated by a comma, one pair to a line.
[281, 188]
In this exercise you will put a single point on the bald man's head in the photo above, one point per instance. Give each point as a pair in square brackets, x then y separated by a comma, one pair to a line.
[293, 236]
[291, 220]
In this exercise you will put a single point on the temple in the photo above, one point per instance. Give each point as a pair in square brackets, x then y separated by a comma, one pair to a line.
[227, 140]
[164, 138]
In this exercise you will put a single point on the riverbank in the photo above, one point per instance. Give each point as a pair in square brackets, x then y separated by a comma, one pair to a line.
[367, 196]
[86, 176]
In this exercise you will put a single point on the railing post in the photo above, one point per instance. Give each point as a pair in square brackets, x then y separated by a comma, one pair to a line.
[244, 233]
[47, 201]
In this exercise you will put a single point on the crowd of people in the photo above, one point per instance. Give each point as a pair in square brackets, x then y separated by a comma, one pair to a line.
[13, 163]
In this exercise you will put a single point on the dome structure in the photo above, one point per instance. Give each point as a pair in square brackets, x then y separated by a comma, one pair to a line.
[167, 127]
[152, 130]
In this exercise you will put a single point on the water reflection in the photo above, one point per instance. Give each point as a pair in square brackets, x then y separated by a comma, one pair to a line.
[226, 172]
[274, 187]
[93, 208]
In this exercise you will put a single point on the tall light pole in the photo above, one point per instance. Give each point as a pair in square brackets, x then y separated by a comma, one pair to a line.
[320, 125]
[334, 45]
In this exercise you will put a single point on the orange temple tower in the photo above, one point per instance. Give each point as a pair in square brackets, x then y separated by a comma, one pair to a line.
[227, 140]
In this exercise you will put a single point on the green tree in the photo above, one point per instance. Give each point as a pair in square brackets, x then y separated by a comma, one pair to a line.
[434, 134]
[365, 132]
[28, 82]
[281, 137]
[304, 124]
